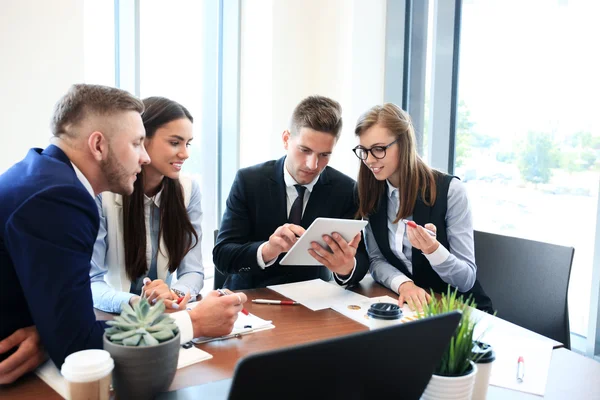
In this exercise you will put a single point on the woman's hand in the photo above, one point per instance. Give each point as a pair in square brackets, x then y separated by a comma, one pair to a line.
[157, 289]
[413, 295]
[420, 239]
[177, 303]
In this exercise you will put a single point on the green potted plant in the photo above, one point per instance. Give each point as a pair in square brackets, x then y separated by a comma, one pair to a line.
[144, 344]
[455, 374]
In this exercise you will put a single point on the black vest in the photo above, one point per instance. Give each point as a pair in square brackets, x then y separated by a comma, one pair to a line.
[423, 274]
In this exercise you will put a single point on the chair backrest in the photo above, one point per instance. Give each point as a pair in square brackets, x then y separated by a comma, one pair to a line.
[527, 282]
[219, 278]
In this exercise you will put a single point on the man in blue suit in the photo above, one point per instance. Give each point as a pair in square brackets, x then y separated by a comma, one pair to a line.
[271, 204]
[48, 226]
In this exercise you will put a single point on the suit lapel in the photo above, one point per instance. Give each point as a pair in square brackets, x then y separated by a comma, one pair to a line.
[277, 196]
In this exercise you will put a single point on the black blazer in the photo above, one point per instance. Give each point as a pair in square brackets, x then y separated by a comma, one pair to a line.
[257, 206]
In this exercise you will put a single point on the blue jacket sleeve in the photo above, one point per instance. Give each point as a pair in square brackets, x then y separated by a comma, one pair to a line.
[50, 238]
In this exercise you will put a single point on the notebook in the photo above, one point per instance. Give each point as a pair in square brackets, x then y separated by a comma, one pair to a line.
[395, 361]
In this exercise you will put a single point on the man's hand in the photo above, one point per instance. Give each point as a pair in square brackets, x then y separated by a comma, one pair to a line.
[420, 239]
[215, 314]
[414, 296]
[281, 241]
[341, 259]
[28, 356]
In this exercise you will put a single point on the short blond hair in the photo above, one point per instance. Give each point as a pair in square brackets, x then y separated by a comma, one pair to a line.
[83, 100]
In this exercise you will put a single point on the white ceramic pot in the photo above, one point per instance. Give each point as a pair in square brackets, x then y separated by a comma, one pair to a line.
[451, 387]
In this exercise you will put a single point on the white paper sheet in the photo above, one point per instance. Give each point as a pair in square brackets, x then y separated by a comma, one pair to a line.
[53, 378]
[191, 356]
[51, 375]
[317, 294]
[360, 315]
[536, 354]
[245, 324]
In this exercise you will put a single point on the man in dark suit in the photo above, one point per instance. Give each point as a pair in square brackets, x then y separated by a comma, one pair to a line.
[48, 226]
[272, 204]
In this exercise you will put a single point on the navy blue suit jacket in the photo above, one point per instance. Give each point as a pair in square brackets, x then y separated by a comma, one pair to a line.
[257, 206]
[48, 226]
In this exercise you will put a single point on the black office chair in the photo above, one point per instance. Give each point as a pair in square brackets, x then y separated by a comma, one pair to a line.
[219, 278]
[527, 282]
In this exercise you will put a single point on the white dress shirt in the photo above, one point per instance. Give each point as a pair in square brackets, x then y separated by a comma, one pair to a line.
[182, 319]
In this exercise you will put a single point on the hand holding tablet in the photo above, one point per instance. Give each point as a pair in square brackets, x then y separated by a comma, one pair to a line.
[333, 253]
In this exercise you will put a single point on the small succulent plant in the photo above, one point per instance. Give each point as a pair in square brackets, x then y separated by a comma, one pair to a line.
[141, 325]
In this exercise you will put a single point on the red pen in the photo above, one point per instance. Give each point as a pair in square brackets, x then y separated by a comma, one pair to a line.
[179, 300]
[225, 292]
[520, 369]
[413, 224]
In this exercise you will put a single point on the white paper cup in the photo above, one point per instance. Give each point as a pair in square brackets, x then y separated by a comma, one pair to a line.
[383, 314]
[88, 374]
[484, 369]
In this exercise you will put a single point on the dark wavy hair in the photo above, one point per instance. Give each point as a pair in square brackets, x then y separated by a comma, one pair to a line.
[174, 227]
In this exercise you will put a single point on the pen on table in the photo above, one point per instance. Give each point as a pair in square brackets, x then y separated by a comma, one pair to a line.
[520, 369]
[281, 302]
[225, 292]
[413, 224]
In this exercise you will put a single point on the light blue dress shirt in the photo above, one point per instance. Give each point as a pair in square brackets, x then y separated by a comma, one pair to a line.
[455, 265]
[190, 273]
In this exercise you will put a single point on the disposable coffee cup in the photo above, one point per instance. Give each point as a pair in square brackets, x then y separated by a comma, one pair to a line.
[383, 314]
[484, 357]
[88, 374]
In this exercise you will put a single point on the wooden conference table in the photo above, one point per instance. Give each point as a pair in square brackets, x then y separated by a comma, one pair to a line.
[570, 376]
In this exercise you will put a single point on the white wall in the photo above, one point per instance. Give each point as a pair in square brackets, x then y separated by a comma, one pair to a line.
[295, 48]
[41, 47]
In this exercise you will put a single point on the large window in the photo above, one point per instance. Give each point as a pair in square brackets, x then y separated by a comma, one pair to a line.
[171, 64]
[99, 42]
[527, 136]
[283, 61]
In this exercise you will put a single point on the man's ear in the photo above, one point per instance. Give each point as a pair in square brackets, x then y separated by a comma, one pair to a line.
[98, 146]
[286, 135]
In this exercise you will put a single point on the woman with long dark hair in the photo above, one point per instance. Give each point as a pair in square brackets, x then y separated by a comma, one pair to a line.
[146, 237]
[420, 232]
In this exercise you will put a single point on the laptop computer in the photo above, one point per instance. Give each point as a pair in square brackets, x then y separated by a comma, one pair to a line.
[393, 361]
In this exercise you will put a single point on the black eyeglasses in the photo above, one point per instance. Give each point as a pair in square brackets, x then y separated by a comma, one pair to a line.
[376, 151]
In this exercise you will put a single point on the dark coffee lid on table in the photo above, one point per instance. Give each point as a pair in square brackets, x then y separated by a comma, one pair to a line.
[483, 353]
[384, 311]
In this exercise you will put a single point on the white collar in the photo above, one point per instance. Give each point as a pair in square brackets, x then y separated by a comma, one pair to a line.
[155, 199]
[391, 190]
[84, 181]
[290, 181]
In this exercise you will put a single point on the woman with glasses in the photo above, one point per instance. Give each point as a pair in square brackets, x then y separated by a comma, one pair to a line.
[420, 232]
[146, 237]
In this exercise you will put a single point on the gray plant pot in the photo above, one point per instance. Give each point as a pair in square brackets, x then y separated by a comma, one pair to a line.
[143, 372]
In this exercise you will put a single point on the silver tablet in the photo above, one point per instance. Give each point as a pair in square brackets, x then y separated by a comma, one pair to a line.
[298, 254]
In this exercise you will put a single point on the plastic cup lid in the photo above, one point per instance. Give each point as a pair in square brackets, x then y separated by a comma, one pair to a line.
[87, 365]
[483, 353]
[384, 311]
